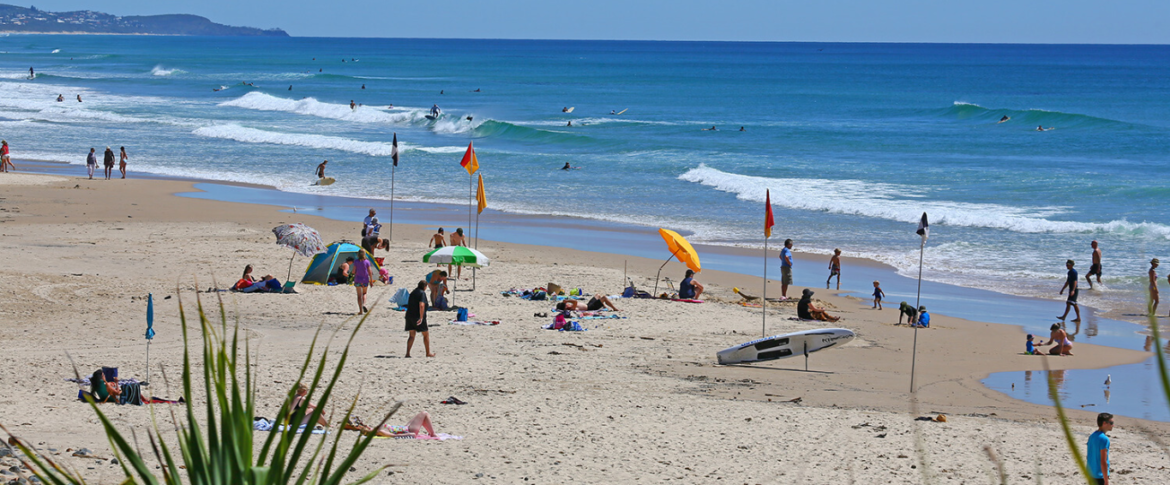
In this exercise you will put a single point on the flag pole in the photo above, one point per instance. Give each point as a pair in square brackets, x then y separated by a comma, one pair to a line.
[476, 247]
[917, 300]
[764, 299]
[393, 169]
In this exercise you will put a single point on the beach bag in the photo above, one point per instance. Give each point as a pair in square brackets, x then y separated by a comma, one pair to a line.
[559, 321]
[441, 303]
[461, 315]
[555, 289]
[539, 296]
[629, 293]
[401, 297]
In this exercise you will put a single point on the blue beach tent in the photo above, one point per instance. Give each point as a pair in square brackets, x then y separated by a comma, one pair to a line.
[325, 264]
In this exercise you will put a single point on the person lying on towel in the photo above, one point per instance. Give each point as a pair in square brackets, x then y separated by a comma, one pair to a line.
[413, 429]
[594, 304]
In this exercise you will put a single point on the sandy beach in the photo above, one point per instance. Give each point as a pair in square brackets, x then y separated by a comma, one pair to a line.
[636, 399]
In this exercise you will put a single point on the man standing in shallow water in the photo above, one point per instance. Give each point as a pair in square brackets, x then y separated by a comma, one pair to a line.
[1095, 269]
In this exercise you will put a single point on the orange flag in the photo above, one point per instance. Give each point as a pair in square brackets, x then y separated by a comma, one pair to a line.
[480, 196]
[469, 161]
[768, 220]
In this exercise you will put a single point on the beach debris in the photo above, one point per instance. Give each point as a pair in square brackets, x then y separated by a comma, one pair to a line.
[83, 453]
[452, 400]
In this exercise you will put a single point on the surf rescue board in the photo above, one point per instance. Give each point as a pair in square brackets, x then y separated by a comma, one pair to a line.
[786, 345]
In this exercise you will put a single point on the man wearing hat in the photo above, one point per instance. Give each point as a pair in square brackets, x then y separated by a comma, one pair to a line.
[807, 311]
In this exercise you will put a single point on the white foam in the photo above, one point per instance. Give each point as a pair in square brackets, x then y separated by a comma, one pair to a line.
[161, 71]
[251, 135]
[891, 202]
[55, 51]
[311, 107]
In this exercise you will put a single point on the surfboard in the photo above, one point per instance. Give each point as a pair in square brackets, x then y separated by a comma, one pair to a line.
[786, 345]
[571, 108]
[433, 117]
[623, 111]
[325, 181]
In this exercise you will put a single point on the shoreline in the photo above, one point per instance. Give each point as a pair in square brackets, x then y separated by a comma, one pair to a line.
[86, 252]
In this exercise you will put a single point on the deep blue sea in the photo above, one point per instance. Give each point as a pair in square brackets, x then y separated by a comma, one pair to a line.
[854, 141]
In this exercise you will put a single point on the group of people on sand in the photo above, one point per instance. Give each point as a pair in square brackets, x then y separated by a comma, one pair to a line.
[107, 160]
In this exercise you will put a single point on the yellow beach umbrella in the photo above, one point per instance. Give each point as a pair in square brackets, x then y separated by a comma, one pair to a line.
[679, 248]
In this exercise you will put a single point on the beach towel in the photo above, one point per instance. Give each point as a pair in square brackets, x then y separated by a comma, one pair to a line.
[602, 317]
[567, 327]
[401, 297]
[473, 322]
[686, 300]
[439, 436]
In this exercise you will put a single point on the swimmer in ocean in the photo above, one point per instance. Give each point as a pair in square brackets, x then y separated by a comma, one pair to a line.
[352, 105]
[1040, 128]
[567, 166]
[60, 98]
[570, 124]
[712, 128]
[742, 129]
[78, 98]
[290, 87]
[363, 86]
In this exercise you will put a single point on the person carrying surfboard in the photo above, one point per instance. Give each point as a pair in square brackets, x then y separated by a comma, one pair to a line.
[321, 169]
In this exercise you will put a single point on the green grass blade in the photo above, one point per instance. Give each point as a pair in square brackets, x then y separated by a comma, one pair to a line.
[1073, 448]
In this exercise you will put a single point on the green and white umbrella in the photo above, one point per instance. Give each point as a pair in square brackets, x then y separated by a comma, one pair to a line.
[458, 256]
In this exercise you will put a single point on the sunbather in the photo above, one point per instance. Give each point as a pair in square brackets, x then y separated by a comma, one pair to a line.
[807, 311]
[299, 400]
[249, 283]
[594, 304]
[420, 422]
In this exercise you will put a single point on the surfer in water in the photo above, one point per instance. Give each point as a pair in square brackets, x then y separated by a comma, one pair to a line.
[321, 169]
[567, 166]
[742, 129]
[469, 118]
[363, 86]
[565, 109]
[78, 98]
[435, 110]
[570, 124]
[712, 128]
[613, 111]
[1005, 118]
[352, 105]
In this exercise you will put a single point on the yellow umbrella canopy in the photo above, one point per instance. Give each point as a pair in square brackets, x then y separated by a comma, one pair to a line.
[681, 249]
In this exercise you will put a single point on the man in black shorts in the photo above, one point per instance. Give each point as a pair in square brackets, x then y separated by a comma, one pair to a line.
[1071, 284]
[1095, 269]
[416, 318]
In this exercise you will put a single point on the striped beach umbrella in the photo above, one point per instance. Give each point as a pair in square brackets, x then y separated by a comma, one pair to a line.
[458, 256]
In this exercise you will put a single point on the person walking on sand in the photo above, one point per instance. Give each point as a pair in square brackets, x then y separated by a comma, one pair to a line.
[122, 161]
[1095, 269]
[1097, 454]
[5, 160]
[834, 269]
[362, 274]
[1071, 284]
[457, 239]
[91, 162]
[785, 268]
[878, 294]
[1153, 286]
[108, 161]
[416, 318]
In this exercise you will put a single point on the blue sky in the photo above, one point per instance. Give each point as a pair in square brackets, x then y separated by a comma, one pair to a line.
[996, 21]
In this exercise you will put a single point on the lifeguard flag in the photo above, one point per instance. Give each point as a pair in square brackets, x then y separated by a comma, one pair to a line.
[768, 220]
[480, 196]
[923, 228]
[394, 150]
[469, 162]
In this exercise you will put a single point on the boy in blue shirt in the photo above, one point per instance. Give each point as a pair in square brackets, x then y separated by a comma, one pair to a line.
[1098, 452]
[923, 318]
[1031, 348]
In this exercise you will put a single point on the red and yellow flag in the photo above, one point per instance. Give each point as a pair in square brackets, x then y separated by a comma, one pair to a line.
[469, 161]
[480, 196]
[768, 220]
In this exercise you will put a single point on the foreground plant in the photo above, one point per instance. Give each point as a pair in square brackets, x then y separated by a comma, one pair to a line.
[222, 452]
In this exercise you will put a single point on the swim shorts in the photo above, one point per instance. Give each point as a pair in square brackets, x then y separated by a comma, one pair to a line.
[786, 275]
[1072, 296]
[411, 325]
[594, 304]
[1094, 270]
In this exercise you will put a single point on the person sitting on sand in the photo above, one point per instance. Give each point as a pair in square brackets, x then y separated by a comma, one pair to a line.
[807, 311]
[1061, 344]
[1030, 347]
[437, 280]
[904, 309]
[594, 304]
[688, 288]
[103, 390]
[412, 429]
[344, 272]
[301, 400]
[249, 283]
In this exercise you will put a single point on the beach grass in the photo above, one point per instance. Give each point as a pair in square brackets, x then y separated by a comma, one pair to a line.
[223, 451]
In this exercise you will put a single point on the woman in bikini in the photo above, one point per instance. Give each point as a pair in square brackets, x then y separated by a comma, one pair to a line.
[596, 303]
[1061, 344]
[413, 429]
[299, 400]
[437, 282]
[1154, 285]
[122, 162]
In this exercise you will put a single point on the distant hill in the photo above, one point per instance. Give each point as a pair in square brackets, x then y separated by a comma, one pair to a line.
[21, 19]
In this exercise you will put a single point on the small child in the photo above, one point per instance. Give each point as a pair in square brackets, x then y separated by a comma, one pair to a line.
[878, 294]
[1031, 348]
[923, 318]
[834, 269]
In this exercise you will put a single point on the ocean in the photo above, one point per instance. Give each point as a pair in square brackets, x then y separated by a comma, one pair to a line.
[854, 141]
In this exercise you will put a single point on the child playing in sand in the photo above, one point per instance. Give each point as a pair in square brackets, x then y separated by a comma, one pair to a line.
[878, 294]
[1031, 348]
